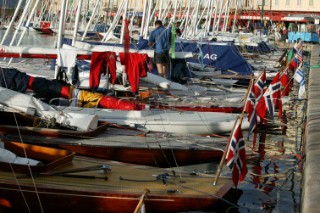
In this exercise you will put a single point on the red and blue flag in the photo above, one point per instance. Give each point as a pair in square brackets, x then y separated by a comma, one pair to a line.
[236, 156]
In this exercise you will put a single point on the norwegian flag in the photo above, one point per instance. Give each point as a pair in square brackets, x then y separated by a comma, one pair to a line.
[236, 156]
[260, 85]
[284, 79]
[250, 109]
[293, 64]
[271, 99]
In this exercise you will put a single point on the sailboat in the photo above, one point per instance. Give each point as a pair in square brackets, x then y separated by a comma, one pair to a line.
[171, 121]
[59, 177]
[130, 144]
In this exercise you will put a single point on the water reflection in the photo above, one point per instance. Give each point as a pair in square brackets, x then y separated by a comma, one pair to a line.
[264, 181]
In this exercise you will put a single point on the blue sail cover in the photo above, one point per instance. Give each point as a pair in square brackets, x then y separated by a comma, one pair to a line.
[222, 55]
[262, 47]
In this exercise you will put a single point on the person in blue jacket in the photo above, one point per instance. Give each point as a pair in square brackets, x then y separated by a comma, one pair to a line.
[159, 40]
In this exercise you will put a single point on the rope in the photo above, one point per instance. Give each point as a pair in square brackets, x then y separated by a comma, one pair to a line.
[25, 154]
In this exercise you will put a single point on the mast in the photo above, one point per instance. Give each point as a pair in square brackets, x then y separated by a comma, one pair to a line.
[175, 10]
[262, 12]
[143, 17]
[76, 24]
[60, 32]
[196, 18]
[173, 18]
[220, 14]
[202, 15]
[146, 27]
[115, 21]
[214, 24]
[123, 21]
[166, 11]
[90, 20]
[186, 19]
[12, 20]
[226, 16]
[209, 17]
[25, 28]
[66, 15]
[28, 22]
[235, 16]
[160, 9]
[61, 23]
[22, 18]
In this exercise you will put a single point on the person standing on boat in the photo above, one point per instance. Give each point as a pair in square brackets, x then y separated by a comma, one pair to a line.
[138, 22]
[178, 30]
[159, 40]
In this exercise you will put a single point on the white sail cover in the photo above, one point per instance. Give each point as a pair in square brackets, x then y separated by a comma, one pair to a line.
[29, 105]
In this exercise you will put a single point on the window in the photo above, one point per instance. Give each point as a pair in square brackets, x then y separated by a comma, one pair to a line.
[310, 2]
[276, 2]
[287, 2]
[298, 2]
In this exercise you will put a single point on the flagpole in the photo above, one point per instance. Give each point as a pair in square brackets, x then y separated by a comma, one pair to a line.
[146, 191]
[264, 69]
[288, 83]
[245, 99]
[224, 154]
[230, 137]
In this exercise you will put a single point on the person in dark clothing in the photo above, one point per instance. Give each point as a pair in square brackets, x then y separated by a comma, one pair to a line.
[159, 40]
[178, 30]
[138, 22]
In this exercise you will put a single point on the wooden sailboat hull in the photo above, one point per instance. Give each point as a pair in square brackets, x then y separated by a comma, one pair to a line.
[93, 185]
[114, 144]
[69, 200]
[152, 157]
[143, 153]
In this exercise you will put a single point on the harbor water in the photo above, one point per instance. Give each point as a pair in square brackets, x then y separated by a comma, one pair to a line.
[273, 182]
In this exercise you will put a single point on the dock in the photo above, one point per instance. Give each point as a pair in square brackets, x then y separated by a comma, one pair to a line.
[311, 175]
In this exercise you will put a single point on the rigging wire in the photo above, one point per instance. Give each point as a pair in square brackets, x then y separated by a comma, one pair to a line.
[25, 154]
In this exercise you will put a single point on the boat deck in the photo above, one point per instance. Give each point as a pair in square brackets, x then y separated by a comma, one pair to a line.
[125, 183]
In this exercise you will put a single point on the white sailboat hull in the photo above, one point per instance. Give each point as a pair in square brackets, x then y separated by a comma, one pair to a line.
[169, 121]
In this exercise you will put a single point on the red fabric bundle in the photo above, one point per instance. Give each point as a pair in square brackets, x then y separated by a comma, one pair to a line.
[136, 65]
[98, 65]
[109, 102]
